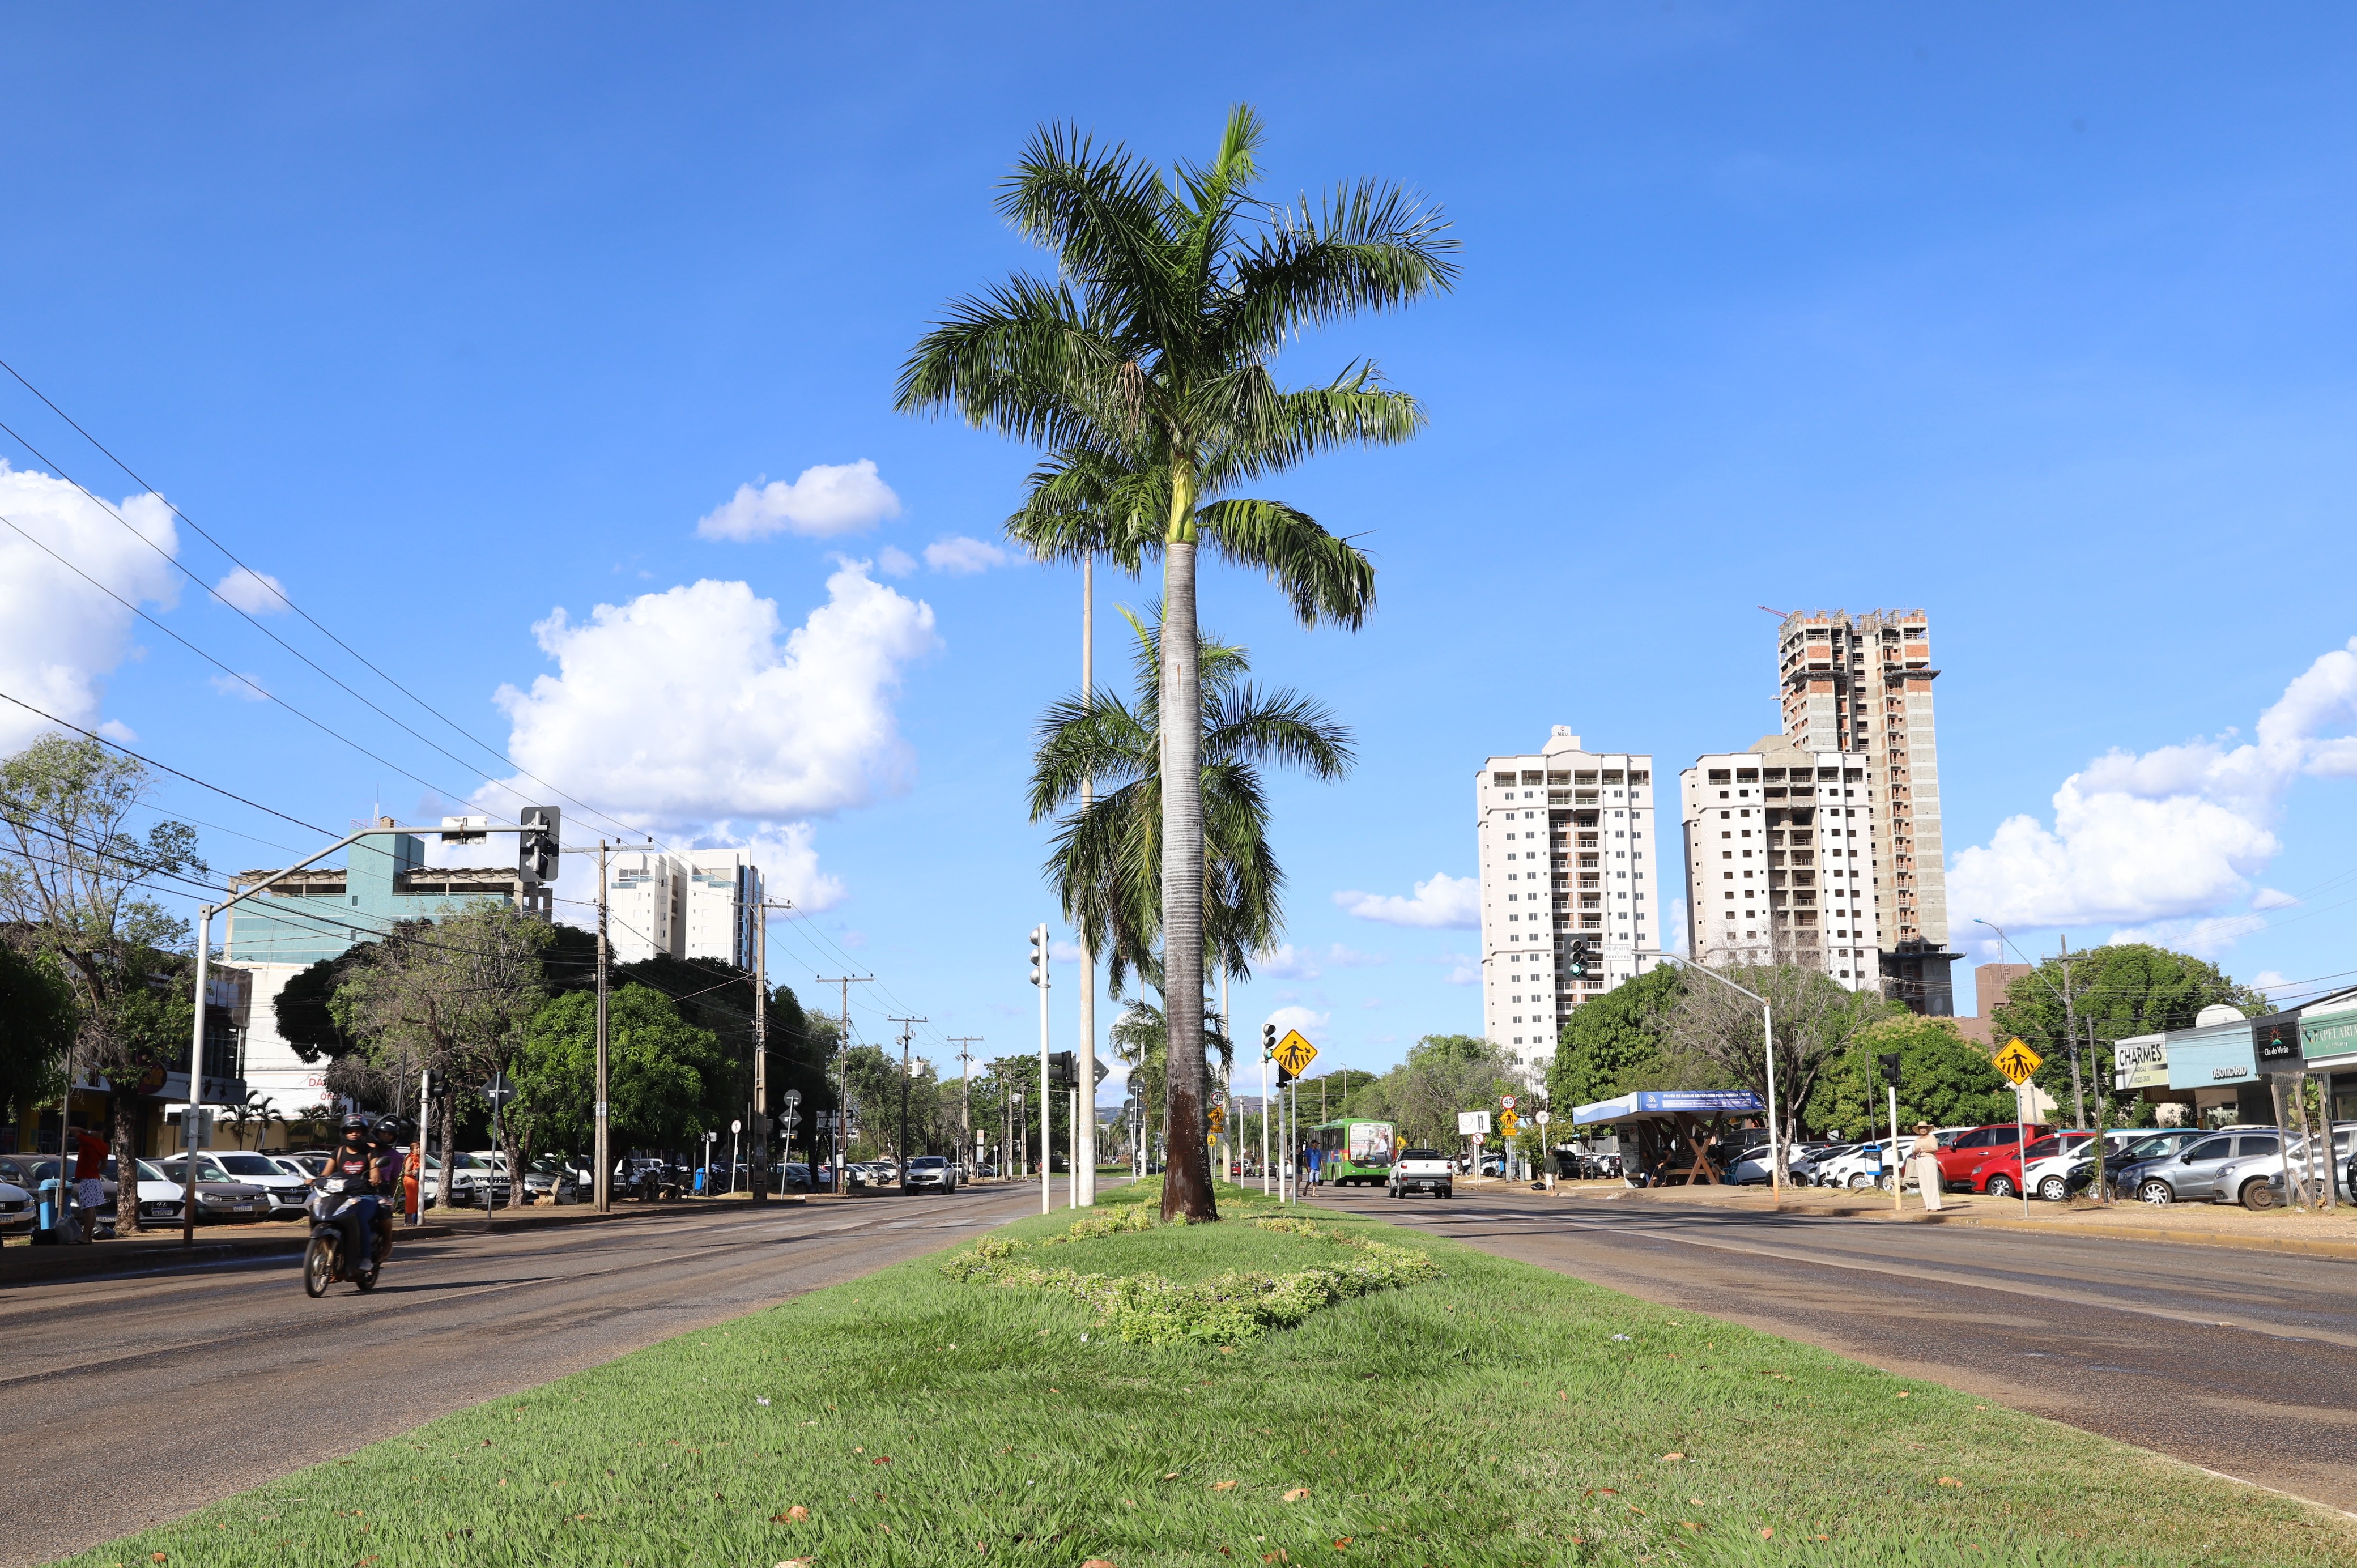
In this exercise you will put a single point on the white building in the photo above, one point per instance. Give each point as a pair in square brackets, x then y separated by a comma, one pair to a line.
[1781, 848]
[1567, 855]
[698, 904]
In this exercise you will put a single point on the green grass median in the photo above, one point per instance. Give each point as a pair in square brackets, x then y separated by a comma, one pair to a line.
[1463, 1412]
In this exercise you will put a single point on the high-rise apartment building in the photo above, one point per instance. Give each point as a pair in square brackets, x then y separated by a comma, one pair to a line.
[1863, 683]
[1566, 854]
[1780, 862]
[699, 903]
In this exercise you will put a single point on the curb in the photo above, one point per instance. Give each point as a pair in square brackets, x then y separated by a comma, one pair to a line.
[2301, 1245]
[76, 1263]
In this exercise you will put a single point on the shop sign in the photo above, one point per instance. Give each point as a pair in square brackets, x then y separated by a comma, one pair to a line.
[2141, 1063]
[2207, 1058]
[2331, 1032]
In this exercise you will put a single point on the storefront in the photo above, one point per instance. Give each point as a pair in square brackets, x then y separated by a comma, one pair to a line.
[2218, 1067]
[2327, 1042]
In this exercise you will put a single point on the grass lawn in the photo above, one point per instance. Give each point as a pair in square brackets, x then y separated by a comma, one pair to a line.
[1499, 1415]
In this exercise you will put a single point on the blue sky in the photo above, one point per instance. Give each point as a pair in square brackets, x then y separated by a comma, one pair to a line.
[448, 320]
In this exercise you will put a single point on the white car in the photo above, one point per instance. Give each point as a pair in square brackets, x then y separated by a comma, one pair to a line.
[1751, 1169]
[1860, 1167]
[16, 1211]
[288, 1194]
[2048, 1176]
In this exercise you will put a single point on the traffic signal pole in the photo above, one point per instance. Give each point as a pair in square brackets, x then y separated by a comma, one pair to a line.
[601, 1158]
[1047, 1092]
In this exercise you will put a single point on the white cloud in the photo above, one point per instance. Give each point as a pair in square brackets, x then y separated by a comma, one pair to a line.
[961, 557]
[695, 715]
[1310, 1023]
[2169, 834]
[2272, 898]
[1286, 962]
[1444, 902]
[827, 500]
[2203, 938]
[1464, 969]
[60, 636]
[1677, 931]
[245, 688]
[2270, 982]
[1062, 951]
[895, 562]
[255, 593]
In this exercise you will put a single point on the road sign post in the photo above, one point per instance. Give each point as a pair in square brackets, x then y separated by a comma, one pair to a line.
[2017, 1061]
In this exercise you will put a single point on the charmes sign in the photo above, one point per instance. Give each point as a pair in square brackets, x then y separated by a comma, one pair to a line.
[2141, 1062]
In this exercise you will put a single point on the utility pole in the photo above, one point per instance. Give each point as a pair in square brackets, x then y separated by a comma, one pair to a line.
[758, 1185]
[1084, 1128]
[843, 1047]
[965, 1090]
[602, 1159]
[1046, 1090]
[906, 1026]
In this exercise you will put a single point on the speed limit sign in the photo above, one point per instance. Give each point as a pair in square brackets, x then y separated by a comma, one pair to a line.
[1506, 1101]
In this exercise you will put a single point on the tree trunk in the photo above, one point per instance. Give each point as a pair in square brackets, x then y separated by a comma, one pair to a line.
[1187, 1185]
[126, 1162]
[449, 1130]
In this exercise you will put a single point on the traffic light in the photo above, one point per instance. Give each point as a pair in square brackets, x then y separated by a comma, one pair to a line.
[1267, 1041]
[1038, 954]
[537, 845]
[1576, 965]
[434, 1083]
[1063, 1071]
[1889, 1060]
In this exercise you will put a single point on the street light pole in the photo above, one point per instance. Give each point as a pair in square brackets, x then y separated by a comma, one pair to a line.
[602, 1159]
[1767, 1044]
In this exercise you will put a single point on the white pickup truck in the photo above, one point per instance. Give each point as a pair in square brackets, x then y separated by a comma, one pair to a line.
[1423, 1170]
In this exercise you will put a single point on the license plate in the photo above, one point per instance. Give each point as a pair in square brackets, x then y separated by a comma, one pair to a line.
[247, 1208]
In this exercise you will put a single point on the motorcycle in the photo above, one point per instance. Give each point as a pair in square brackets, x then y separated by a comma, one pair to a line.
[338, 1250]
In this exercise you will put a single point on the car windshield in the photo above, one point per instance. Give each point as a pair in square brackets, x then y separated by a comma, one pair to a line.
[2145, 1148]
[927, 1163]
[466, 1162]
[147, 1171]
[248, 1164]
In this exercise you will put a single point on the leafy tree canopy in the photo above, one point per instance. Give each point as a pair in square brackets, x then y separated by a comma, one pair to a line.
[37, 1025]
[1944, 1080]
[2127, 989]
[656, 1068]
[1614, 1043]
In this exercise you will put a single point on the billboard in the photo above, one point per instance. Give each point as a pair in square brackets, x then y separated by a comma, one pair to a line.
[2141, 1062]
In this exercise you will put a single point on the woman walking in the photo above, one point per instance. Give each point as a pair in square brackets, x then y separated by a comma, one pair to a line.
[1923, 1163]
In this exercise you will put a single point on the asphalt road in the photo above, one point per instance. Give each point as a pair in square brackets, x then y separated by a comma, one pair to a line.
[2242, 1362]
[135, 1398]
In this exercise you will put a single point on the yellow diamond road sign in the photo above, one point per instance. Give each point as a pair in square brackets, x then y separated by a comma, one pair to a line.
[2017, 1061]
[1295, 1053]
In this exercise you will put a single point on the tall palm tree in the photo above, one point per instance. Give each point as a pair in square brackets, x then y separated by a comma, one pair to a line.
[1143, 369]
[1107, 863]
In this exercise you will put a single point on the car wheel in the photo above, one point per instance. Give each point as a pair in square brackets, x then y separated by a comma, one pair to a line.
[2000, 1187]
[2157, 1193]
[2257, 1194]
[2052, 1189]
[1858, 1180]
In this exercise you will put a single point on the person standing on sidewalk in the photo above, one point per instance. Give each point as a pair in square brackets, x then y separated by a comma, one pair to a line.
[89, 1153]
[1923, 1160]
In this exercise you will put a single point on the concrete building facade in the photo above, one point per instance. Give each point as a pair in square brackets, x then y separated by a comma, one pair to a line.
[1567, 850]
[697, 903]
[317, 914]
[1780, 860]
[1863, 683]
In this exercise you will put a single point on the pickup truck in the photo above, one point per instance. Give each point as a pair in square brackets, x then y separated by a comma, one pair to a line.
[1423, 1170]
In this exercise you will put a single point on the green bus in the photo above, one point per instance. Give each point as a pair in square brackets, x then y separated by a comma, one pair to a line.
[1354, 1152]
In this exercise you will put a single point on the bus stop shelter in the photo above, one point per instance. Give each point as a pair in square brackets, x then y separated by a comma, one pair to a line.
[1672, 1127]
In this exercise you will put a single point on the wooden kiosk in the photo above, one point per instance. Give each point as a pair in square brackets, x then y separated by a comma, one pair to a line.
[1673, 1128]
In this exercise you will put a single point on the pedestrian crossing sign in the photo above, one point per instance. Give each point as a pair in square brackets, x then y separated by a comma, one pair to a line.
[1295, 1053]
[2017, 1061]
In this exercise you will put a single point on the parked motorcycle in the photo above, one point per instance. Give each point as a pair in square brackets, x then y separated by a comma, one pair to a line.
[340, 1246]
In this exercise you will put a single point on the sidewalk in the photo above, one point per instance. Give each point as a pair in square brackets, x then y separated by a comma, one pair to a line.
[215, 1243]
[2286, 1229]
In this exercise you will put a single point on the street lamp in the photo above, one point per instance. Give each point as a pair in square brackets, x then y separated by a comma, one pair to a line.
[1767, 1044]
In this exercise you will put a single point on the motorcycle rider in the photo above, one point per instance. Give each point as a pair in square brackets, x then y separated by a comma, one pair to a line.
[356, 1166]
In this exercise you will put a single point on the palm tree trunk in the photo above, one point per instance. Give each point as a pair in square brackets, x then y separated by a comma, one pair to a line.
[1186, 1188]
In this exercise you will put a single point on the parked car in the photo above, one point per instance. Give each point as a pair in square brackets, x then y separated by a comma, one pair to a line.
[1961, 1152]
[2258, 1181]
[1862, 1167]
[160, 1196]
[1750, 1168]
[215, 1199]
[288, 1194]
[16, 1209]
[2198, 1171]
[930, 1171]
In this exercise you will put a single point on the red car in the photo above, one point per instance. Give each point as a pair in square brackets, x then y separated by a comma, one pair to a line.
[1999, 1172]
[1962, 1152]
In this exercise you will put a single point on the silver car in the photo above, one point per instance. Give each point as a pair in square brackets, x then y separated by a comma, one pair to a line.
[929, 1170]
[2201, 1171]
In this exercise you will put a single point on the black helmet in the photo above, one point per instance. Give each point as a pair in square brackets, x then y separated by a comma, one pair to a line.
[389, 1130]
[356, 1122]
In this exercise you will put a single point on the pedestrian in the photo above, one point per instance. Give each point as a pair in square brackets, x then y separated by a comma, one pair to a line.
[1924, 1160]
[89, 1153]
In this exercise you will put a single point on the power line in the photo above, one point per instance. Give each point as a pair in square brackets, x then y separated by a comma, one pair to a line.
[151, 762]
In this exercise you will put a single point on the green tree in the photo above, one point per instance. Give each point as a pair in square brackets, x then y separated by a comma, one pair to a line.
[2122, 991]
[1944, 1079]
[37, 1025]
[1107, 865]
[1613, 1043]
[1144, 369]
[72, 881]
[656, 1065]
[1442, 1075]
[304, 1012]
[1720, 1031]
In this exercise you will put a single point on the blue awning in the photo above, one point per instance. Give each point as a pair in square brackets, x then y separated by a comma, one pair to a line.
[1670, 1103]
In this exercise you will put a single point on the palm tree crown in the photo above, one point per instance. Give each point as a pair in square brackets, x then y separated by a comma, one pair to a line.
[1143, 369]
[1106, 866]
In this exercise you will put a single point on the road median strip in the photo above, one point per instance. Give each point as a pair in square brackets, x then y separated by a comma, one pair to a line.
[1490, 1413]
